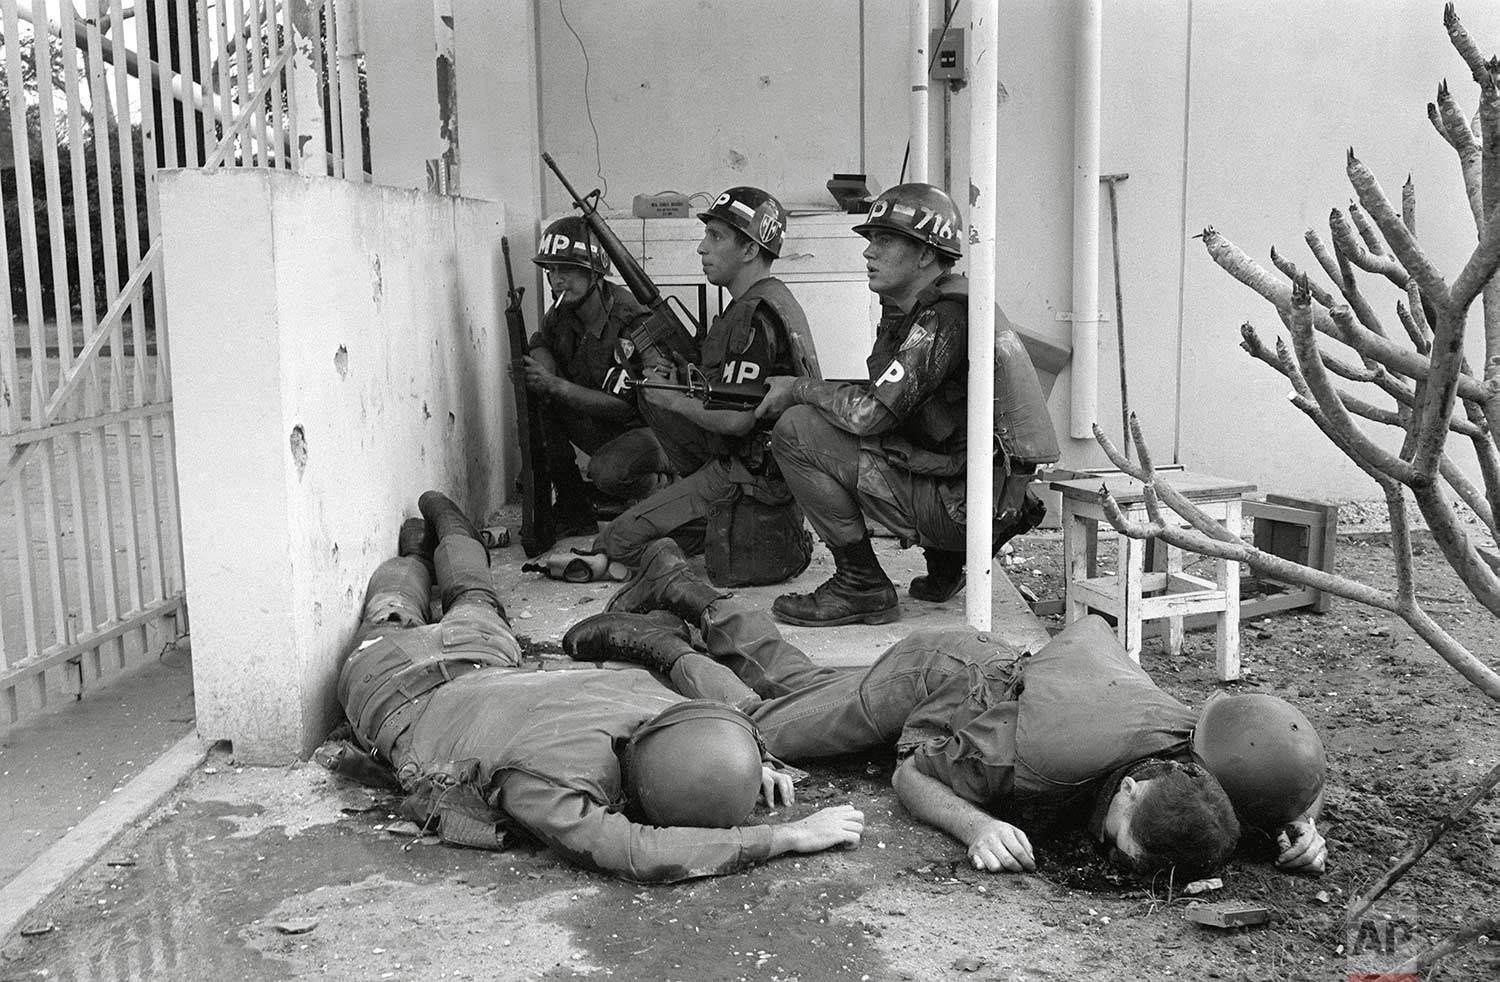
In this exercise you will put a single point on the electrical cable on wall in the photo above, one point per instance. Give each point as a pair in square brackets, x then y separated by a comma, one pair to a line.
[906, 157]
[587, 108]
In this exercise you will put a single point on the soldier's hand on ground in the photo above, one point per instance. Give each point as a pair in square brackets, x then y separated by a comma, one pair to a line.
[1303, 848]
[778, 397]
[1002, 846]
[775, 785]
[841, 825]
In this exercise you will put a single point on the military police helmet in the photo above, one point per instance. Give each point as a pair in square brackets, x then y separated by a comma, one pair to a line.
[921, 212]
[570, 242]
[754, 212]
[697, 763]
[1265, 753]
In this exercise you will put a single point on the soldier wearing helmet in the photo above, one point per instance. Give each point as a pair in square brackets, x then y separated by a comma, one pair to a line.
[763, 332]
[571, 364]
[894, 450]
[611, 769]
[994, 741]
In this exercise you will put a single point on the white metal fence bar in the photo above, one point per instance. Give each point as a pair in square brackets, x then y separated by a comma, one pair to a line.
[249, 112]
[90, 556]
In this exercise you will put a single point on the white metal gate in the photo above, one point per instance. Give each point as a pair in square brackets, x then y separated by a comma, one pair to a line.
[93, 102]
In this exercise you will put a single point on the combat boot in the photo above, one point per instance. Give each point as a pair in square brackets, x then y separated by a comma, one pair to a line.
[445, 517]
[416, 540]
[859, 592]
[665, 581]
[653, 641]
[945, 576]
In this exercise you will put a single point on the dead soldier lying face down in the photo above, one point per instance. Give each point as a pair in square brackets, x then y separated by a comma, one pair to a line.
[1074, 731]
[610, 768]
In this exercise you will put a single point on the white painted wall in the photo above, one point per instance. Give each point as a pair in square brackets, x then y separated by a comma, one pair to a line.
[1223, 113]
[369, 318]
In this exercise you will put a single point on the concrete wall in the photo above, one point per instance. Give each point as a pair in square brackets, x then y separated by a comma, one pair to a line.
[1223, 113]
[335, 352]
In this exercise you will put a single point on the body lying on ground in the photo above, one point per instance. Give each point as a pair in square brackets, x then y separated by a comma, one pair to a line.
[1074, 730]
[611, 769]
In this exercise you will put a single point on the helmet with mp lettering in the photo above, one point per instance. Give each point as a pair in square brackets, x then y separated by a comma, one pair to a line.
[570, 242]
[921, 212]
[696, 763]
[1265, 753]
[754, 212]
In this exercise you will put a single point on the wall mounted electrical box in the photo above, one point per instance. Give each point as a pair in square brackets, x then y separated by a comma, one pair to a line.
[949, 48]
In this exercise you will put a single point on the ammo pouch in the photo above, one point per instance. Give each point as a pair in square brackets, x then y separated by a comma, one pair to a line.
[755, 536]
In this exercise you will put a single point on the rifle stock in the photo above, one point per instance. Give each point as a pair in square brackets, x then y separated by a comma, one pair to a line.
[538, 530]
[670, 328]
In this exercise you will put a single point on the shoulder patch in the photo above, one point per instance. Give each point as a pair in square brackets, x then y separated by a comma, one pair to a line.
[922, 331]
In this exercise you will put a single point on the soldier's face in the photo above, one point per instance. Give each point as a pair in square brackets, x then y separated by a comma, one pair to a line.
[722, 252]
[892, 263]
[571, 283]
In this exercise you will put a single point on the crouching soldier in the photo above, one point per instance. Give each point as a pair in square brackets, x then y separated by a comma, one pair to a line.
[611, 769]
[572, 366]
[731, 500]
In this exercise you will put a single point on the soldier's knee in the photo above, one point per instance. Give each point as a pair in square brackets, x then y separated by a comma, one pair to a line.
[792, 431]
[624, 539]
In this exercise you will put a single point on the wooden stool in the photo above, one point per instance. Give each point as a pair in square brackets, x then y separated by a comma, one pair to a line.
[1132, 595]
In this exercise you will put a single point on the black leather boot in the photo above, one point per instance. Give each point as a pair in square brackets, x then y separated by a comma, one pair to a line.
[416, 540]
[859, 592]
[665, 581]
[945, 576]
[654, 641]
[445, 517]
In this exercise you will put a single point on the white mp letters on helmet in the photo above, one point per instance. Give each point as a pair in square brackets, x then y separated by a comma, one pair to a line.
[893, 373]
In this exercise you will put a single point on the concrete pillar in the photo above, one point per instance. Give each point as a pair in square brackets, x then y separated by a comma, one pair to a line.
[334, 354]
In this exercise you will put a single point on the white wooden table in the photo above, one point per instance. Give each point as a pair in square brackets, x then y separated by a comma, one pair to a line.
[1133, 596]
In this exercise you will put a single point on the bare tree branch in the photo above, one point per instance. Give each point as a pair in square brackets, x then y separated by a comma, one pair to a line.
[1395, 358]
[1236, 263]
[1358, 251]
[1308, 359]
[1324, 256]
[1453, 123]
[1396, 235]
[1362, 904]
[1409, 206]
[1413, 327]
[1462, 938]
[1462, 42]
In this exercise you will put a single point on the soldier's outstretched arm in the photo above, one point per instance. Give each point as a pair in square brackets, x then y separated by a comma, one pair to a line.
[993, 845]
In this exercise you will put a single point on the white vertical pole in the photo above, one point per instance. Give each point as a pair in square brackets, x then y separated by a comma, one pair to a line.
[984, 106]
[1086, 219]
[916, 169]
[346, 26]
[309, 149]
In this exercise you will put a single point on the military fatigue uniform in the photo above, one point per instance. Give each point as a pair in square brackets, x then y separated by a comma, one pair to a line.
[479, 743]
[910, 479]
[625, 458]
[747, 342]
[1034, 736]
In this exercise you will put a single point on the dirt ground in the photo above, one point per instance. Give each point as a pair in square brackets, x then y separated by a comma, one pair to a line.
[271, 874]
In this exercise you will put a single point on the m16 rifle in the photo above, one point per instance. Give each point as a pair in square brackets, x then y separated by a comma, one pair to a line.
[713, 395]
[538, 530]
[669, 330]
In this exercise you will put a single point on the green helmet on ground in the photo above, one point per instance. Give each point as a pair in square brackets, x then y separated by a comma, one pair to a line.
[754, 213]
[1265, 753]
[570, 242]
[697, 763]
[921, 212]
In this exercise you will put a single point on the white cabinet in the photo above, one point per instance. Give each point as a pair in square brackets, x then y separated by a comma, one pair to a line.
[820, 261]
